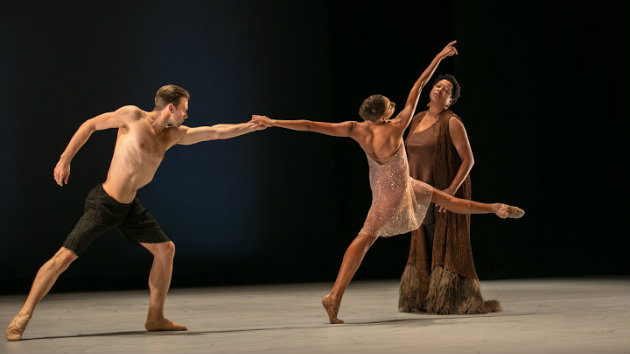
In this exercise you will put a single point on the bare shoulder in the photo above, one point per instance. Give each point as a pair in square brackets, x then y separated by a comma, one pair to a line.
[175, 134]
[181, 130]
[359, 131]
[357, 125]
[130, 113]
[397, 125]
[360, 128]
[456, 129]
[454, 123]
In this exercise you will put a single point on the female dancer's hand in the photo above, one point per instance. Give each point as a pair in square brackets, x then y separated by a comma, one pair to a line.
[448, 51]
[440, 208]
[262, 121]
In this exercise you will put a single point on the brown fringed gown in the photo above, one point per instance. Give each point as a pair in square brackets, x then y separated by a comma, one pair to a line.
[440, 275]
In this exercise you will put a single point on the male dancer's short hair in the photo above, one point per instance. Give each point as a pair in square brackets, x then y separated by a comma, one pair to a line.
[169, 94]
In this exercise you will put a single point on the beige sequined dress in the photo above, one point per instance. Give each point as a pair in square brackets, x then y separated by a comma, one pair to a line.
[399, 202]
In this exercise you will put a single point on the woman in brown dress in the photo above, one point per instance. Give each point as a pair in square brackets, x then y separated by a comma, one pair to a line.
[440, 275]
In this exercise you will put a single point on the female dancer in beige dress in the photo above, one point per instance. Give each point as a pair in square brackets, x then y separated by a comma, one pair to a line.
[399, 202]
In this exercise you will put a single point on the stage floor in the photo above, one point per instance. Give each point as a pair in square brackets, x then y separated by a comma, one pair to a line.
[576, 315]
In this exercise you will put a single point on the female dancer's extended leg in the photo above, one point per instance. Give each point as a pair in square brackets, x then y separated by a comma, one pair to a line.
[465, 206]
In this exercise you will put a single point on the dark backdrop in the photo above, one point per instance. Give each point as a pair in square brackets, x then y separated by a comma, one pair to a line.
[544, 102]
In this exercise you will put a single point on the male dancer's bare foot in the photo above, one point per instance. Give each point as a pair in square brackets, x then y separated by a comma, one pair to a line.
[332, 309]
[164, 325]
[17, 327]
[507, 211]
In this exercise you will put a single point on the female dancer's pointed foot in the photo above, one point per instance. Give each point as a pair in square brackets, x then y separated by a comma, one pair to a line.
[332, 309]
[163, 325]
[508, 211]
[17, 327]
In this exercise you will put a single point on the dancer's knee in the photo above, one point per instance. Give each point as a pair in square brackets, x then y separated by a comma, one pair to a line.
[166, 250]
[61, 260]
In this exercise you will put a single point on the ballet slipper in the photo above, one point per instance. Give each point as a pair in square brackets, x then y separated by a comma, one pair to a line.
[14, 331]
[164, 325]
[331, 309]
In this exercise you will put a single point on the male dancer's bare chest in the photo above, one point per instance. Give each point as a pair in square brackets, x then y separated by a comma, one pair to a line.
[141, 146]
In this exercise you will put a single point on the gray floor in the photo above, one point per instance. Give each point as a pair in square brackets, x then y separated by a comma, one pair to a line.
[587, 315]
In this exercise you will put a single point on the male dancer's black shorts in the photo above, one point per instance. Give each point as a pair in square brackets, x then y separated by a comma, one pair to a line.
[102, 213]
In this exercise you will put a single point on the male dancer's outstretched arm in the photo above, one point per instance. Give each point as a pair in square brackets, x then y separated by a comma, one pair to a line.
[193, 135]
[182, 135]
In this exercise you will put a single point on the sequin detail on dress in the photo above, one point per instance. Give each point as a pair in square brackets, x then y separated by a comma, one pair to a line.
[399, 202]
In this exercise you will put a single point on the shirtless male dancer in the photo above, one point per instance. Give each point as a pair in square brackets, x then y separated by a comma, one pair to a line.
[399, 202]
[143, 138]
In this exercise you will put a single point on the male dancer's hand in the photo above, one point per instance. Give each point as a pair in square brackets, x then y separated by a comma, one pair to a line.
[262, 121]
[62, 172]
